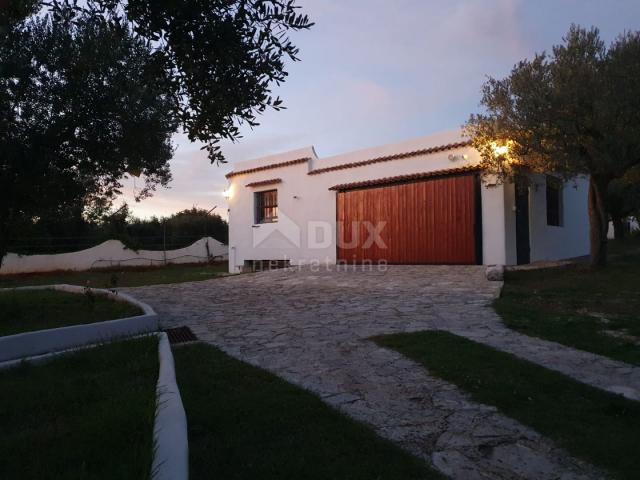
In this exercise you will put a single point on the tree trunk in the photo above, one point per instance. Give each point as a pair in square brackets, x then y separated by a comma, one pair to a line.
[598, 221]
[619, 228]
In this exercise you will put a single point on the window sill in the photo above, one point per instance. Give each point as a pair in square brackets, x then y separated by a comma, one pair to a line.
[266, 222]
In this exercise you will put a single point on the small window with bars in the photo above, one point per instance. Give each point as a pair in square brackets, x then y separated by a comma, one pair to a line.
[266, 206]
[554, 201]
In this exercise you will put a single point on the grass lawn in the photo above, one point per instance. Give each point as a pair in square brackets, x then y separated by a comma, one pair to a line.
[86, 415]
[575, 306]
[25, 311]
[594, 425]
[120, 277]
[245, 423]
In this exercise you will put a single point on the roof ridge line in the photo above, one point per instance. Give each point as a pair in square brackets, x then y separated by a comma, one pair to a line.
[407, 178]
[268, 167]
[359, 163]
[393, 156]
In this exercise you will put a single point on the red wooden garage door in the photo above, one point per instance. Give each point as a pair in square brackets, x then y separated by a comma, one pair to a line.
[428, 221]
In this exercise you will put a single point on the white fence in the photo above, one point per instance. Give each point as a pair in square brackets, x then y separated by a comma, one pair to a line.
[633, 224]
[113, 253]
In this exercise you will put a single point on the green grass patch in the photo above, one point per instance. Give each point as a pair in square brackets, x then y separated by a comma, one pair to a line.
[86, 415]
[245, 423]
[120, 277]
[26, 311]
[591, 424]
[576, 306]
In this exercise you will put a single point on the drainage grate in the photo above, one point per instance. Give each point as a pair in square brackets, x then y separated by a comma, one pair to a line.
[180, 335]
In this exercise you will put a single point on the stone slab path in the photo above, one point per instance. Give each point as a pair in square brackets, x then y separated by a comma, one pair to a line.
[311, 328]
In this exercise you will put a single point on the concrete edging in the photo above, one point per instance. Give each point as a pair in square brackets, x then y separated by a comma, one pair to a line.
[171, 444]
[170, 439]
[29, 344]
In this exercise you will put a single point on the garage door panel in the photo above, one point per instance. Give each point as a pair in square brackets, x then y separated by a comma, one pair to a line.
[430, 221]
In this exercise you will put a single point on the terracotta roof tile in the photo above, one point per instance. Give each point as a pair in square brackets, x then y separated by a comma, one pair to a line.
[385, 158]
[268, 167]
[406, 178]
[264, 182]
[396, 156]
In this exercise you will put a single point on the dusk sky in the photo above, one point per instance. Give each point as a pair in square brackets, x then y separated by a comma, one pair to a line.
[379, 71]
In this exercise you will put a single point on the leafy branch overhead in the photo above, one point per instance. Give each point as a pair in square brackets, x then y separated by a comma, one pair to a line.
[94, 90]
[220, 57]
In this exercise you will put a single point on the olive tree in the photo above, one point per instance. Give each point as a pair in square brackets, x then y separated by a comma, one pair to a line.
[94, 90]
[575, 111]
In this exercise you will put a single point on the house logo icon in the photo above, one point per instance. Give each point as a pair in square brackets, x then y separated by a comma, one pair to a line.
[269, 235]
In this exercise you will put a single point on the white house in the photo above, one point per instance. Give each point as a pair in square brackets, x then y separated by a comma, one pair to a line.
[421, 201]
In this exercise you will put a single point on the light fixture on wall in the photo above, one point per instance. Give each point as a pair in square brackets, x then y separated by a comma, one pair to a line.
[227, 193]
[502, 149]
[455, 158]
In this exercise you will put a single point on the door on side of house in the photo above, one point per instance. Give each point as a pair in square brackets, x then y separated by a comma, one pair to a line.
[432, 221]
[523, 247]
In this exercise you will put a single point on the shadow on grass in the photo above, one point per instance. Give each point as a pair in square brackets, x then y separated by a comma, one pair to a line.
[245, 423]
[595, 311]
[591, 424]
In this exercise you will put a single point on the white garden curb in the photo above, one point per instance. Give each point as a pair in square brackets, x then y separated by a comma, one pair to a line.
[29, 344]
[171, 445]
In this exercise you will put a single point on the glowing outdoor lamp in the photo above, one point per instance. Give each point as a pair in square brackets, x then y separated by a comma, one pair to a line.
[500, 149]
[227, 193]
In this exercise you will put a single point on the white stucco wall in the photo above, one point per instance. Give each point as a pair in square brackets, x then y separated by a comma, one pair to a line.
[572, 238]
[112, 253]
[306, 228]
[493, 223]
[509, 193]
[548, 242]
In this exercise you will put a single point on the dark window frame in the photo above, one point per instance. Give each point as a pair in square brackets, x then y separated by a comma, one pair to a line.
[266, 206]
[555, 206]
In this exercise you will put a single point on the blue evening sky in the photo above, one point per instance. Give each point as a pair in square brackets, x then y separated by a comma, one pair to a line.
[378, 71]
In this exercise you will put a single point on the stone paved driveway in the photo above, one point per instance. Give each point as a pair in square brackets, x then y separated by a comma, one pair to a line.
[311, 328]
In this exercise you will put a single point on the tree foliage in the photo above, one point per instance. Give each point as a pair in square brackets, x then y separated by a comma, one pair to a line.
[92, 91]
[178, 230]
[221, 57]
[79, 108]
[77, 232]
[573, 112]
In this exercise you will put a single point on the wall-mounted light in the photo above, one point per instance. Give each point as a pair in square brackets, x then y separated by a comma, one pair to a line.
[502, 148]
[227, 193]
[455, 158]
